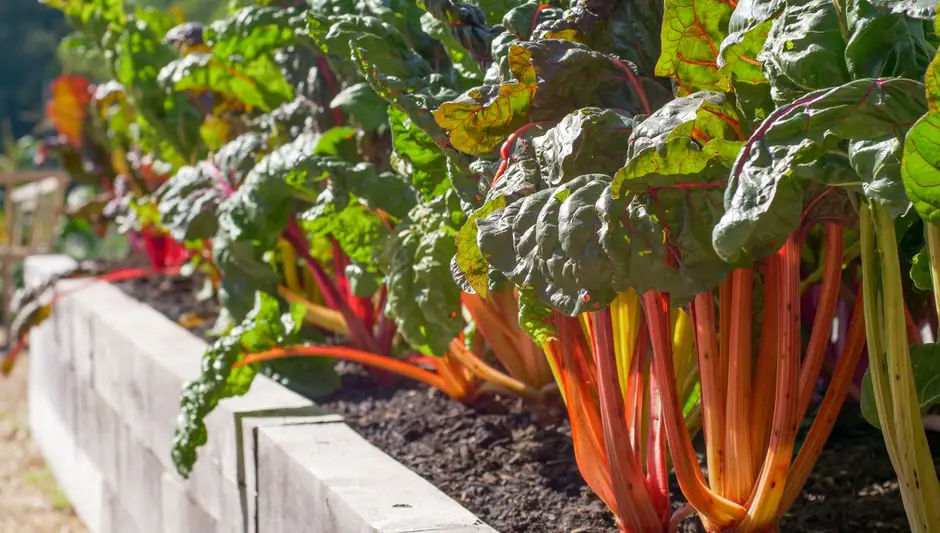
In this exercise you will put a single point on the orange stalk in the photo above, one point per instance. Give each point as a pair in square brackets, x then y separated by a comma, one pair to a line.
[490, 374]
[717, 512]
[825, 312]
[829, 410]
[713, 389]
[356, 356]
[762, 510]
[766, 373]
[740, 478]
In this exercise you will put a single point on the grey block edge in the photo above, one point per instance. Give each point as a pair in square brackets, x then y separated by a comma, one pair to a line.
[245, 424]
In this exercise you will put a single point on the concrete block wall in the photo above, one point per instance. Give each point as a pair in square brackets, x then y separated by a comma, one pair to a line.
[106, 372]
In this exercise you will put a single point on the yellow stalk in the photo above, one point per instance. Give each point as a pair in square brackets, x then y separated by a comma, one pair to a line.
[317, 315]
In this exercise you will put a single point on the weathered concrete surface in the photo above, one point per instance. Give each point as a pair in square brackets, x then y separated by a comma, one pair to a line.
[105, 378]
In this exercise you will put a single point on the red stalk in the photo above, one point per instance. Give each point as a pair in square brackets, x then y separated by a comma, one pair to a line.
[634, 502]
[822, 324]
[657, 477]
[717, 512]
[358, 334]
[829, 410]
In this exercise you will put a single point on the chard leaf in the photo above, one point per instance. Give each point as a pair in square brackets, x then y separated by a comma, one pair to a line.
[805, 50]
[630, 30]
[422, 299]
[188, 201]
[266, 326]
[883, 44]
[417, 155]
[588, 141]
[253, 32]
[258, 83]
[925, 359]
[692, 33]
[550, 78]
[921, 166]
[919, 9]
[847, 136]
[535, 317]
[362, 103]
[920, 270]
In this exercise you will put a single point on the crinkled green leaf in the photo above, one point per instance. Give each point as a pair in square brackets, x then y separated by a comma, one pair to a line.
[416, 155]
[805, 50]
[258, 83]
[535, 317]
[921, 166]
[469, 259]
[882, 44]
[588, 141]
[422, 299]
[552, 78]
[253, 32]
[630, 30]
[361, 102]
[847, 136]
[925, 360]
[268, 325]
[691, 36]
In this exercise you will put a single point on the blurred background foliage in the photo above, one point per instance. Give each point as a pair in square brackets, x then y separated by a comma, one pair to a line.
[30, 34]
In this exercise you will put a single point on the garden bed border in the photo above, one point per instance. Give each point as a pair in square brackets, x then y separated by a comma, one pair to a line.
[106, 372]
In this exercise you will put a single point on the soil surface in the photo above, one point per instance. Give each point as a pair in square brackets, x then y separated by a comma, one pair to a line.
[517, 472]
[30, 502]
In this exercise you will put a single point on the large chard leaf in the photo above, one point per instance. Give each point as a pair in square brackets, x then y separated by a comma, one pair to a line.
[267, 326]
[422, 299]
[691, 36]
[925, 360]
[189, 200]
[921, 163]
[805, 50]
[885, 44]
[258, 83]
[848, 136]
[552, 77]
[590, 140]
[417, 155]
[254, 32]
[630, 30]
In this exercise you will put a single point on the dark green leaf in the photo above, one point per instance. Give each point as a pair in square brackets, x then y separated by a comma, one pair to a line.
[847, 136]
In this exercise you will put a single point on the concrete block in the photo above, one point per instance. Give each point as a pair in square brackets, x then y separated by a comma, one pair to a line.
[73, 470]
[139, 485]
[325, 478]
[116, 519]
[264, 399]
[180, 513]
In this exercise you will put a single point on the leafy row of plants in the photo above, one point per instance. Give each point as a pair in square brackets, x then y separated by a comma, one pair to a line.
[676, 216]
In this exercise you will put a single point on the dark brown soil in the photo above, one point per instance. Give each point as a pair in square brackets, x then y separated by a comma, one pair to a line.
[516, 470]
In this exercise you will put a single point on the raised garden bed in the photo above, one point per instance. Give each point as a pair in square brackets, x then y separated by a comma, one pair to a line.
[516, 470]
[106, 372]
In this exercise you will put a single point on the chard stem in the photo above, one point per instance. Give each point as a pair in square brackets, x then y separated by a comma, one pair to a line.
[717, 512]
[829, 410]
[741, 476]
[825, 313]
[766, 373]
[892, 373]
[763, 508]
[713, 394]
